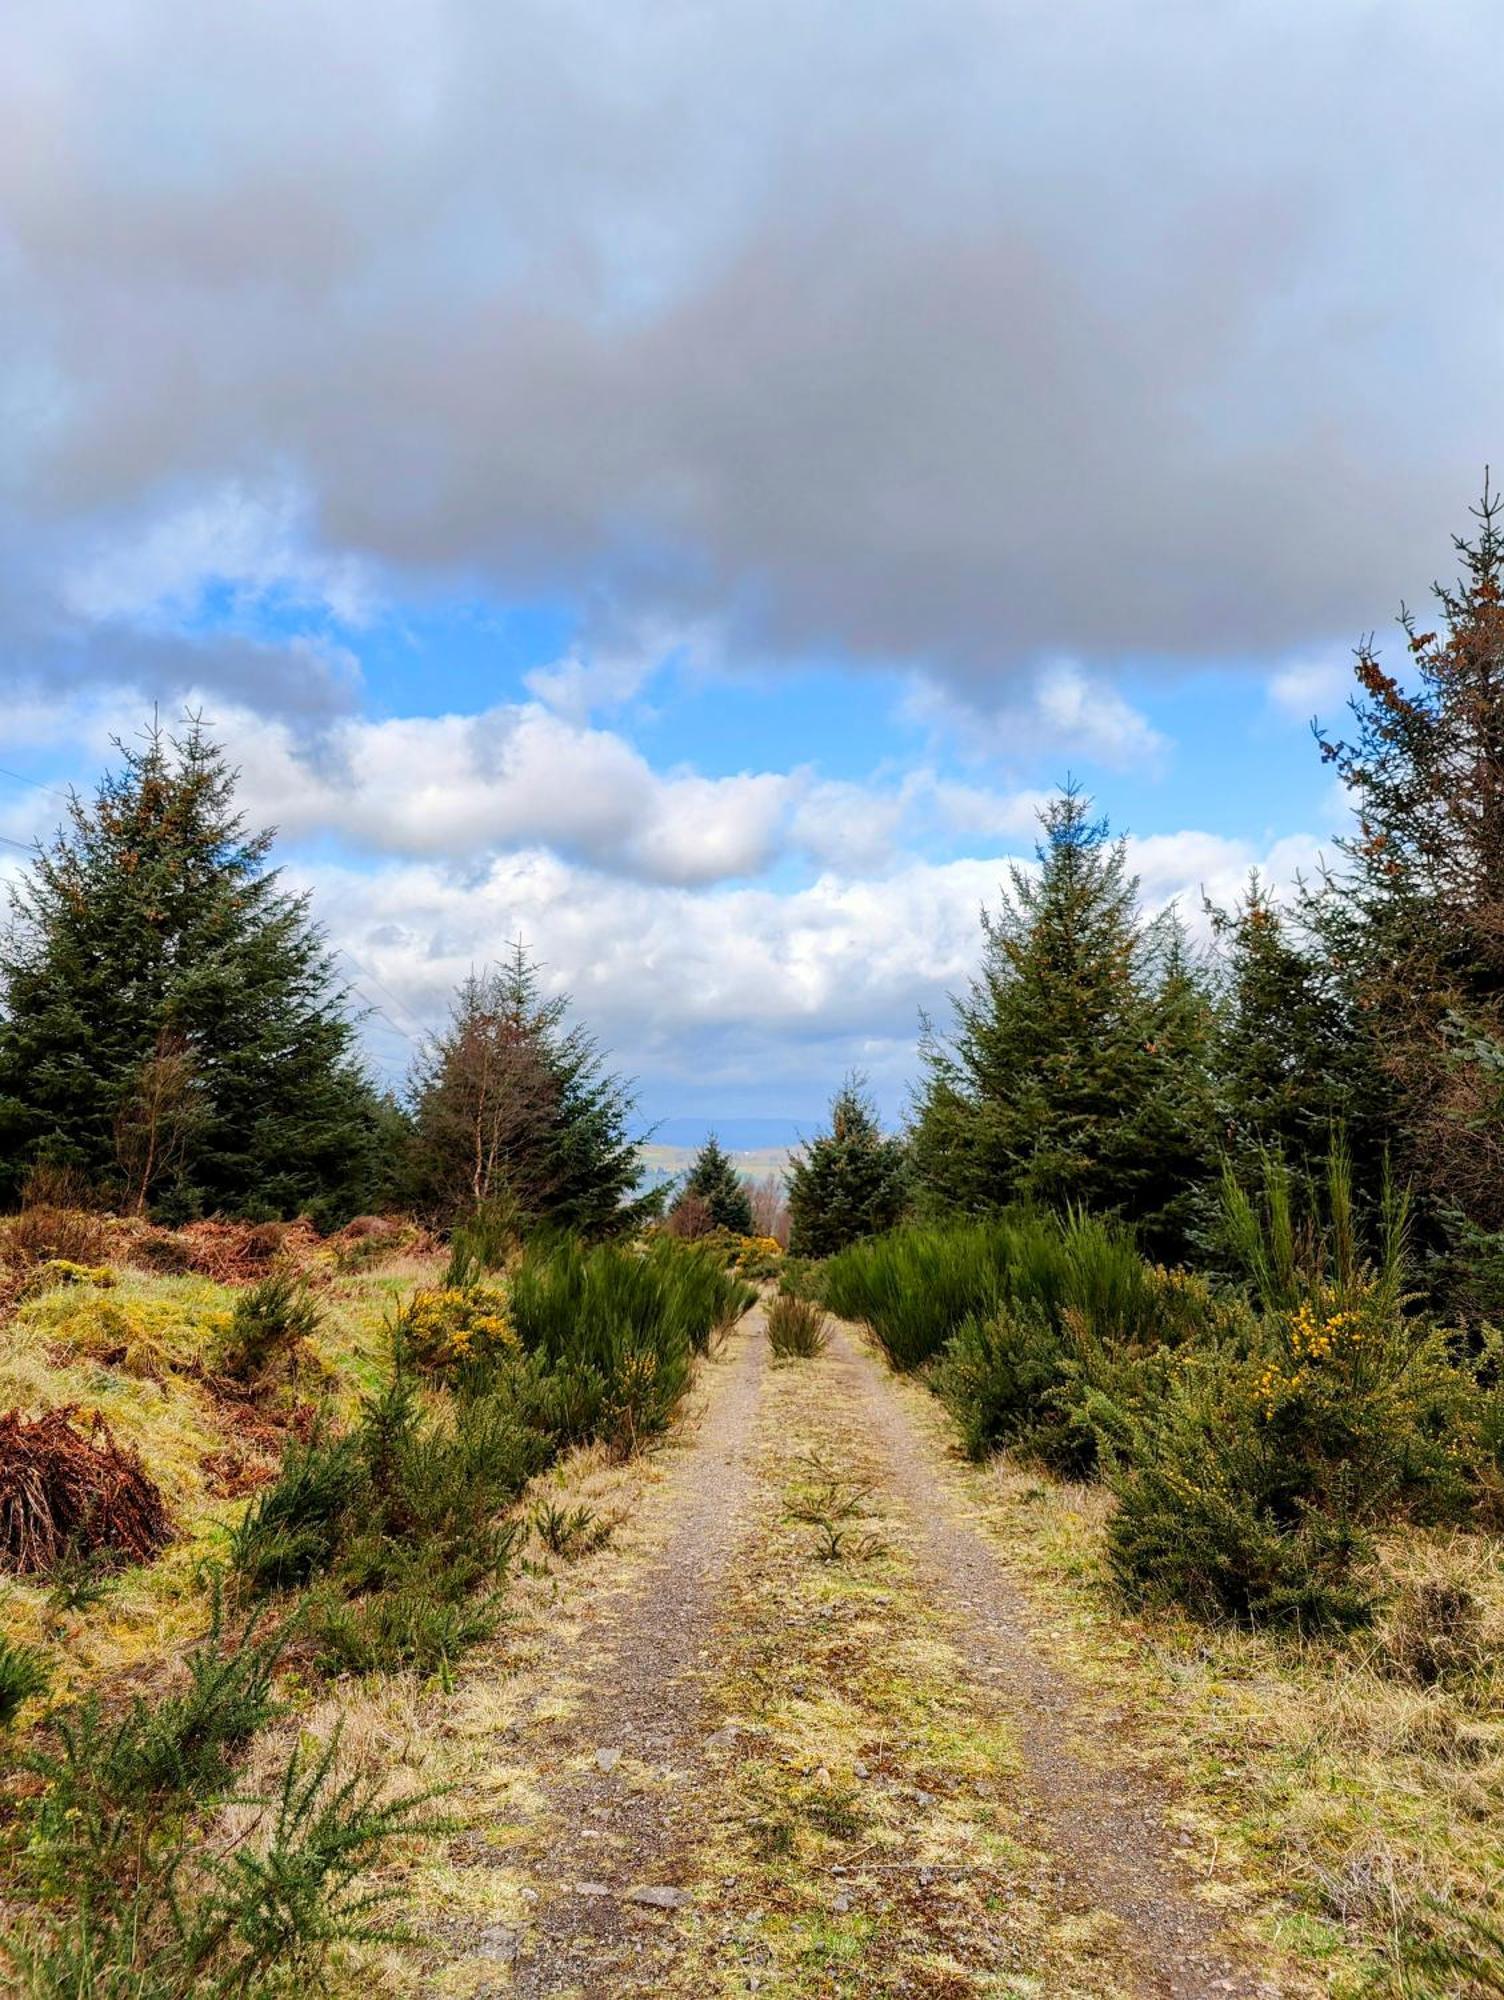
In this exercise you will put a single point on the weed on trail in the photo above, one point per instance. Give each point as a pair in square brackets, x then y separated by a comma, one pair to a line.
[865, 1837]
[797, 1329]
[568, 1532]
[834, 1504]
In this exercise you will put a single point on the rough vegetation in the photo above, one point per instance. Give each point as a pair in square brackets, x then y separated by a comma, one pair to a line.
[1200, 1258]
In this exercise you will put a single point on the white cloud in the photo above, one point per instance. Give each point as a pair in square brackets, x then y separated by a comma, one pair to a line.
[465, 786]
[694, 988]
[254, 547]
[610, 671]
[1061, 710]
[1310, 687]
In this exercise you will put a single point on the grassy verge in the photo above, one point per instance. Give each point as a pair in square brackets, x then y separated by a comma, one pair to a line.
[329, 1518]
[1338, 1774]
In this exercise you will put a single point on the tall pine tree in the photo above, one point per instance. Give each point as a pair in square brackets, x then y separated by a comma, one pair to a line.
[172, 1026]
[512, 1103]
[715, 1190]
[1412, 920]
[848, 1182]
[1073, 1072]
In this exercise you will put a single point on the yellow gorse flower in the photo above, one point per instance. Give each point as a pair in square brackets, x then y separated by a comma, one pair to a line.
[454, 1323]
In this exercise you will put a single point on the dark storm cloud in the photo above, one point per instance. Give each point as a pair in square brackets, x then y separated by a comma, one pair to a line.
[944, 333]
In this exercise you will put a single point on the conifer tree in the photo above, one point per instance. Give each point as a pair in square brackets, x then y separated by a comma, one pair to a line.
[718, 1190]
[1177, 1119]
[847, 1182]
[512, 1104]
[172, 1027]
[1292, 1061]
[1061, 1082]
[1412, 919]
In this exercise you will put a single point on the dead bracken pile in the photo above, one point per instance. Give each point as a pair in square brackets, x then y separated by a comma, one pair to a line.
[231, 1253]
[69, 1490]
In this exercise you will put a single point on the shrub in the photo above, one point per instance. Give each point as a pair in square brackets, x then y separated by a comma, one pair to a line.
[916, 1287]
[568, 1531]
[617, 1326]
[456, 1325]
[64, 1490]
[998, 1373]
[486, 1241]
[401, 1522]
[292, 1529]
[800, 1277]
[270, 1326]
[796, 1329]
[151, 1913]
[23, 1673]
[758, 1258]
[1248, 1488]
[43, 1234]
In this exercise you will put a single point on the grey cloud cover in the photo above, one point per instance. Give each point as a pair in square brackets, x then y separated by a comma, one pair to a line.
[954, 334]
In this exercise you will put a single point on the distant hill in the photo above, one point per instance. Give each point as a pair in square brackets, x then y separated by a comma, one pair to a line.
[666, 1163]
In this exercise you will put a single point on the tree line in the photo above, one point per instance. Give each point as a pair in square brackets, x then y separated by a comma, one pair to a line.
[175, 1034]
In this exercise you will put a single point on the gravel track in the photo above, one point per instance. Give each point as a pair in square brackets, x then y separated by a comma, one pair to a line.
[628, 1771]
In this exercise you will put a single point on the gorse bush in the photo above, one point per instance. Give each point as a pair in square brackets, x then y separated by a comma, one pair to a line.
[270, 1326]
[397, 1526]
[23, 1674]
[455, 1326]
[916, 1287]
[797, 1330]
[397, 1530]
[1251, 1487]
[152, 1913]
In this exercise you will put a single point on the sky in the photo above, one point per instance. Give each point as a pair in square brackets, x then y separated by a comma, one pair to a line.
[680, 483]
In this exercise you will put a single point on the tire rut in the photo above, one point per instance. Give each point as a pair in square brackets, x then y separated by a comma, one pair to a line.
[610, 1856]
[1104, 1825]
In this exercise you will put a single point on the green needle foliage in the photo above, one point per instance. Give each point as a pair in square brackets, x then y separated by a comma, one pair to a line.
[847, 1182]
[716, 1191]
[171, 1025]
[1076, 1073]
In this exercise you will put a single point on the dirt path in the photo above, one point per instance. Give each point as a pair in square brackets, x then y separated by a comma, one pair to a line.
[1104, 1826]
[781, 1766]
[619, 1766]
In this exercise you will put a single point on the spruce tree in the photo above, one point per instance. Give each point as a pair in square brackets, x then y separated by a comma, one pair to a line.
[512, 1104]
[172, 1027]
[848, 1182]
[718, 1190]
[1292, 1058]
[1061, 1082]
[1412, 918]
[1176, 1124]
